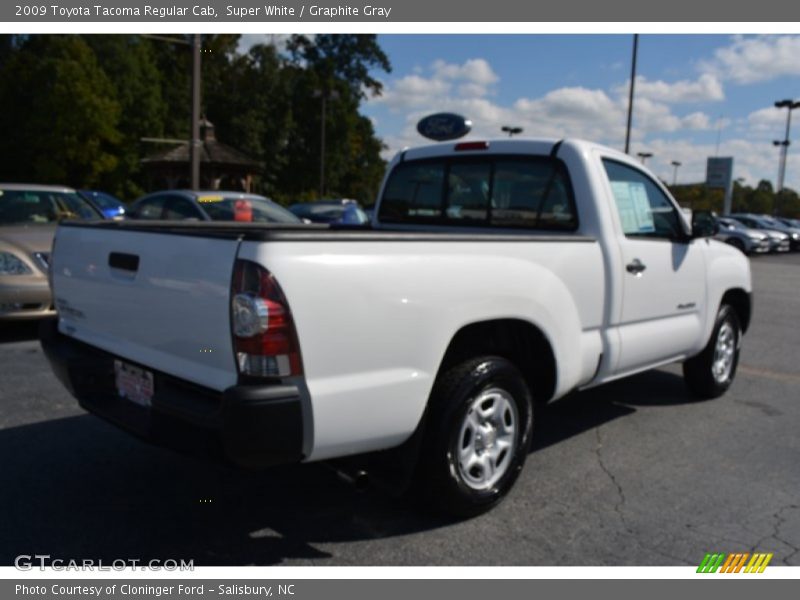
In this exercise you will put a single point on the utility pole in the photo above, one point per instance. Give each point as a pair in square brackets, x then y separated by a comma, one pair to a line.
[322, 149]
[194, 141]
[195, 145]
[630, 93]
[325, 95]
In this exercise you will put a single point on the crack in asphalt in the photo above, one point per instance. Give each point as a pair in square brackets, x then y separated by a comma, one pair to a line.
[618, 506]
[779, 520]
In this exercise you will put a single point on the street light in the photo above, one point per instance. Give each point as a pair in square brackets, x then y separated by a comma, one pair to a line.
[511, 131]
[784, 144]
[643, 156]
[675, 165]
[630, 92]
[325, 95]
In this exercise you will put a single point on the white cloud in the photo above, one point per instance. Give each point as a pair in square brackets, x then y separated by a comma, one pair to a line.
[565, 112]
[472, 79]
[696, 120]
[755, 59]
[767, 121]
[706, 88]
[475, 70]
[598, 115]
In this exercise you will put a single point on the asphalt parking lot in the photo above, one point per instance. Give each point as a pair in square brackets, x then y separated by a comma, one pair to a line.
[633, 473]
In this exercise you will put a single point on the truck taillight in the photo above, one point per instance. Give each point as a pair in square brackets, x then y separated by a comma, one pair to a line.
[264, 336]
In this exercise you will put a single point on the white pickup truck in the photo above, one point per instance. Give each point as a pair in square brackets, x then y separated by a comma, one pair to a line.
[496, 276]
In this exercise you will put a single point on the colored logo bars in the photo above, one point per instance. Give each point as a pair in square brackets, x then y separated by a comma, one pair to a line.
[734, 563]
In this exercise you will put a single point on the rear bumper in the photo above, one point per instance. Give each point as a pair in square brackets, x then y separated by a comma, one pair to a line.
[252, 426]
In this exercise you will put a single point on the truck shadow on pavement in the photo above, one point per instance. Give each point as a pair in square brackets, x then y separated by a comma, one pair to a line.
[582, 411]
[78, 488]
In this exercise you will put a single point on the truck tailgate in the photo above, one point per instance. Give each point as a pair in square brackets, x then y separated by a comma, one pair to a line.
[157, 299]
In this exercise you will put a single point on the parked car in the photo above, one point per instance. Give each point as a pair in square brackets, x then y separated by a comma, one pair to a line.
[780, 236]
[28, 217]
[745, 239]
[792, 231]
[183, 205]
[497, 276]
[345, 212]
[790, 222]
[111, 206]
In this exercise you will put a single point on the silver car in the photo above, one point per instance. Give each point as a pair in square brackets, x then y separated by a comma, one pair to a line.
[779, 241]
[28, 218]
[768, 224]
[743, 238]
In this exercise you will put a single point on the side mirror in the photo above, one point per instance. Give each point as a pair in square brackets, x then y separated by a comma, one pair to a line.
[704, 224]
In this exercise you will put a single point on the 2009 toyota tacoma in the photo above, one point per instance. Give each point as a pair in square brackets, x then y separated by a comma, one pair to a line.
[496, 276]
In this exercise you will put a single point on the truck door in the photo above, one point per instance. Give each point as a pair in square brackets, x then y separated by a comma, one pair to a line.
[663, 272]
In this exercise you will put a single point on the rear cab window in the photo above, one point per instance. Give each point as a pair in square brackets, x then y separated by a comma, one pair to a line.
[499, 191]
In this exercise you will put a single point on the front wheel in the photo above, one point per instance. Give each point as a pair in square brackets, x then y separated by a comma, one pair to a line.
[710, 373]
[477, 437]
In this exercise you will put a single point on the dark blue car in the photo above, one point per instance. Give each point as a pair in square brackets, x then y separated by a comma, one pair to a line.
[340, 212]
[111, 207]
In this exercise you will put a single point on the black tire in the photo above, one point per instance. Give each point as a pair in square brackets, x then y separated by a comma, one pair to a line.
[441, 482]
[698, 371]
[738, 244]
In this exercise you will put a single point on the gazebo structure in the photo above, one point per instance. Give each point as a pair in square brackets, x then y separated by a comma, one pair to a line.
[221, 167]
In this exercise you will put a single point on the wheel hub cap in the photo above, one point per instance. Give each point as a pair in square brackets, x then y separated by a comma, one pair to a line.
[487, 439]
[724, 353]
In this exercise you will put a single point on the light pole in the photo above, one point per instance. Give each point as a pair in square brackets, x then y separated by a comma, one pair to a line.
[511, 131]
[784, 144]
[675, 165]
[630, 92]
[194, 143]
[643, 156]
[325, 95]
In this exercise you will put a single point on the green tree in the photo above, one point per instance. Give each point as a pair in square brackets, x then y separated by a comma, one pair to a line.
[336, 70]
[63, 113]
[347, 58]
[129, 62]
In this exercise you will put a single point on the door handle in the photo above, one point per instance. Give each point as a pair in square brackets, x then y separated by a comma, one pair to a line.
[636, 267]
[123, 261]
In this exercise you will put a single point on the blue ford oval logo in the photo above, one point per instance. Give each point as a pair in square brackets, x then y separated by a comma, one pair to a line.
[444, 126]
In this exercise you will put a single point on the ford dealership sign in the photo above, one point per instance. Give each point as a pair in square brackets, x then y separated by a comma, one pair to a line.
[444, 126]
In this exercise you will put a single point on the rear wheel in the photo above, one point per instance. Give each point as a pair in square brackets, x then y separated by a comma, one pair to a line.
[477, 437]
[710, 373]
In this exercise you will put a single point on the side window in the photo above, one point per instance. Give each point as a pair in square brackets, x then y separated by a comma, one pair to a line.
[644, 210]
[152, 208]
[178, 208]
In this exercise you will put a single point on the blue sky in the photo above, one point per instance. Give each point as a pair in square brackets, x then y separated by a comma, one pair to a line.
[691, 90]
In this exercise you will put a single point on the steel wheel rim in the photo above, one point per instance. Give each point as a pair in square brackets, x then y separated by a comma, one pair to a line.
[724, 353]
[487, 438]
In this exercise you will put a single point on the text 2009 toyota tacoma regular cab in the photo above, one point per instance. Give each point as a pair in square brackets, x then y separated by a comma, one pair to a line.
[496, 276]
